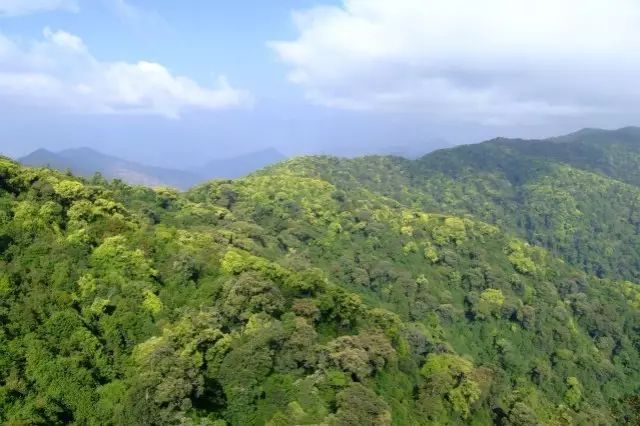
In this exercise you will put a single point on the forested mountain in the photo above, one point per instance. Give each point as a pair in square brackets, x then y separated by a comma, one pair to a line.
[324, 291]
[576, 195]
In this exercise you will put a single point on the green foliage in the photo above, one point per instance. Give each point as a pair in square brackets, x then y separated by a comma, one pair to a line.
[358, 405]
[452, 229]
[68, 189]
[449, 382]
[573, 395]
[319, 291]
[490, 303]
[151, 302]
[577, 196]
[518, 258]
[361, 355]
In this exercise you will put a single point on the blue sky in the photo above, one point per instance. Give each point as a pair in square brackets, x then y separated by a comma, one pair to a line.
[221, 36]
[176, 82]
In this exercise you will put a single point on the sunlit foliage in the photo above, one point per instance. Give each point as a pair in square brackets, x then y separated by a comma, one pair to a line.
[291, 297]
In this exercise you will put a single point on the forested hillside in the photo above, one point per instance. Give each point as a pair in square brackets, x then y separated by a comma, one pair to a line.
[577, 195]
[322, 291]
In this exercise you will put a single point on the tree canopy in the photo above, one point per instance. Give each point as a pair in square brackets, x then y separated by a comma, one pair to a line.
[318, 291]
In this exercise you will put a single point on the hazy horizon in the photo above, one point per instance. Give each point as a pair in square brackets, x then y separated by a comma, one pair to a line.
[153, 82]
[192, 159]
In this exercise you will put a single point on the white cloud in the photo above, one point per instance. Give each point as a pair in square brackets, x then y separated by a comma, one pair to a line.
[491, 61]
[59, 72]
[26, 7]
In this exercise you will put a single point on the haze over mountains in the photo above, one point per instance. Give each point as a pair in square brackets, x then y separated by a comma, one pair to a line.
[241, 165]
[488, 284]
[86, 162]
[589, 143]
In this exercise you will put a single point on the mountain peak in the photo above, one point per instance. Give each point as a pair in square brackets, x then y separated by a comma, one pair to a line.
[41, 157]
[40, 152]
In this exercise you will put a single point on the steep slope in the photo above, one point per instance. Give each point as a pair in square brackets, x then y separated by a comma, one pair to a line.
[281, 299]
[613, 153]
[563, 194]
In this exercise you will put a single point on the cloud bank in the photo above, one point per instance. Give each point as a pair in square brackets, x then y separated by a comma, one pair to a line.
[59, 72]
[490, 62]
[26, 7]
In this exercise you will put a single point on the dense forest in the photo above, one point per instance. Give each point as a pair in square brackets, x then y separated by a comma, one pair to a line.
[577, 195]
[486, 284]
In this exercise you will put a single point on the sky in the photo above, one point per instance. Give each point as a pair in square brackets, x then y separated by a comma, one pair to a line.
[177, 83]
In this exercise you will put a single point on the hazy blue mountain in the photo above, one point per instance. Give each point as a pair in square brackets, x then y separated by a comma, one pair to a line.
[416, 150]
[86, 162]
[241, 165]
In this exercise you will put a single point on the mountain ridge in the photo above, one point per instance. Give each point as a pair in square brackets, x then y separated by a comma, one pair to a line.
[85, 162]
[586, 190]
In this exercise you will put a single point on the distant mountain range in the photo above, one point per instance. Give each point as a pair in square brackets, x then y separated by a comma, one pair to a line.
[416, 150]
[86, 162]
[241, 165]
